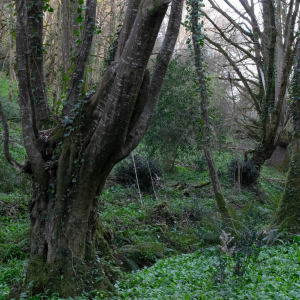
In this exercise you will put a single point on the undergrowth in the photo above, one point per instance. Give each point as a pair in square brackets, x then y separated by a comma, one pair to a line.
[167, 241]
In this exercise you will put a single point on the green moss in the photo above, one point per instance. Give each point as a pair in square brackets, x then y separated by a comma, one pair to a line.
[58, 134]
[69, 277]
[288, 214]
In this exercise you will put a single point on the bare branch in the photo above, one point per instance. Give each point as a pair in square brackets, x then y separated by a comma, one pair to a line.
[222, 12]
[238, 79]
[237, 70]
[229, 40]
[237, 11]
[250, 12]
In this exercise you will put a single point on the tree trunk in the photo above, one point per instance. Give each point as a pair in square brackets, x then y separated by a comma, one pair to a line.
[70, 162]
[70, 32]
[196, 32]
[68, 252]
[11, 57]
[279, 158]
[288, 214]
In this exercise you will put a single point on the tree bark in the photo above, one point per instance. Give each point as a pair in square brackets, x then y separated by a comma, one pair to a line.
[288, 214]
[69, 25]
[196, 35]
[71, 161]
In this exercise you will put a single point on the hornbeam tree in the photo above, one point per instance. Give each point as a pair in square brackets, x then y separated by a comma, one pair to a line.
[262, 52]
[70, 160]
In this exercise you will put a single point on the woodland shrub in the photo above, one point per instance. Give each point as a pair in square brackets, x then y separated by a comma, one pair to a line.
[146, 168]
[241, 171]
[174, 129]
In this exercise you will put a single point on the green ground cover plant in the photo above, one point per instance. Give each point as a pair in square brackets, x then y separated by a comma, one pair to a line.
[274, 274]
[167, 241]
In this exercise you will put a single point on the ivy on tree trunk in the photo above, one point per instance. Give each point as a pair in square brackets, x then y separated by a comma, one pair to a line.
[70, 159]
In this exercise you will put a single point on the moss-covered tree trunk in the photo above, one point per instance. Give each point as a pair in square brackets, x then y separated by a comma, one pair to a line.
[68, 252]
[198, 57]
[70, 160]
[288, 214]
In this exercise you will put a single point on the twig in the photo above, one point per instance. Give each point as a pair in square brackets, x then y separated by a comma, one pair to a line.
[152, 180]
[137, 180]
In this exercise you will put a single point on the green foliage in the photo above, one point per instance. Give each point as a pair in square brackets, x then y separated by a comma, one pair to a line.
[273, 274]
[4, 91]
[171, 224]
[175, 125]
[147, 169]
[11, 109]
[200, 163]
[14, 248]
[14, 240]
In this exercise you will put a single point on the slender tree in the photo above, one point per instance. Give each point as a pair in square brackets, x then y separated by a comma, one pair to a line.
[288, 214]
[270, 47]
[197, 38]
[70, 160]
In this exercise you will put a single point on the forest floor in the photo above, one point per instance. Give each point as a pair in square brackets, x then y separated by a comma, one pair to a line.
[171, 245]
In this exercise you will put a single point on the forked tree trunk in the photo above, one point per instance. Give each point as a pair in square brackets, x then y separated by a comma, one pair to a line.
[70, 162]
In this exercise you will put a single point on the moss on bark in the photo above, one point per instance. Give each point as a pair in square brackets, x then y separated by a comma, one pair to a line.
[288, 214]
[69, 276]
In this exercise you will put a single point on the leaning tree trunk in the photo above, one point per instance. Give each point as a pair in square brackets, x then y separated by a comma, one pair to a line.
[288, 214]
[196, 36]
[70, 161]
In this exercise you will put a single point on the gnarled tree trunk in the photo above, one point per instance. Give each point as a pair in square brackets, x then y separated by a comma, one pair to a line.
[71, 160]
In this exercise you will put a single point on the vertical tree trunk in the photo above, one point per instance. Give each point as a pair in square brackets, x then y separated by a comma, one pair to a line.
[11, 72]
[68, 252]
[70, 162]
[11, 58]
[196, 32]
[288, 214]
[69, 25]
